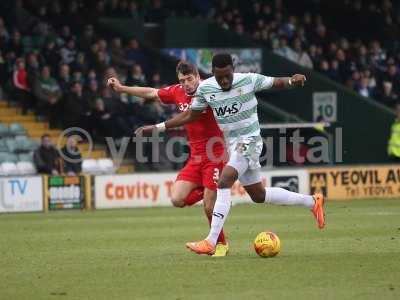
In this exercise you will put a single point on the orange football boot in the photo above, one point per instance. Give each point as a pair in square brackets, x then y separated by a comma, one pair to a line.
[201, 247]
[318, 210]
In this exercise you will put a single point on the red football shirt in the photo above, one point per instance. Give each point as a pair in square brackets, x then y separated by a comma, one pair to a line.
[200, 131]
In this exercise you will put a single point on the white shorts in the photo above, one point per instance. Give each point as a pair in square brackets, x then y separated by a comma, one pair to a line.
[244, 156]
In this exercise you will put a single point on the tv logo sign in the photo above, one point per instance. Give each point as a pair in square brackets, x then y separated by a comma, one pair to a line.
[21, 194]
[18, 187]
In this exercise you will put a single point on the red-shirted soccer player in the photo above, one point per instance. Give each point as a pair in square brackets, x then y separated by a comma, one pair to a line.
[196, 181]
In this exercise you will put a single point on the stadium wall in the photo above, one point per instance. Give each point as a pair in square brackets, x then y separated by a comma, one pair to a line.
[44, 193]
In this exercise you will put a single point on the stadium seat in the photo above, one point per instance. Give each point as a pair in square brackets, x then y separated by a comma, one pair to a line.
[9, 168]
[11, 145]
[26, 168]
[8, 157]
[25, 144]
[26, 157]
[3, 146]
[90, 166]
[17, 129]
[106, 166]
[4, 132]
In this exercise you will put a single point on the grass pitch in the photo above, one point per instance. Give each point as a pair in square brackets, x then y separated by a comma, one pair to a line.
[140, 254]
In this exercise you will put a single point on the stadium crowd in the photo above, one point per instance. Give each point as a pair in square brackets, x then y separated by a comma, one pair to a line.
[57, 68]
[366, 60]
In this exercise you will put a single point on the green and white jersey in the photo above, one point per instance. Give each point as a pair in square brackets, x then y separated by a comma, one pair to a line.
[235, 110]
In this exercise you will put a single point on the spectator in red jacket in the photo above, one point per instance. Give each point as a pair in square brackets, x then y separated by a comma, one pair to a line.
[20, 82]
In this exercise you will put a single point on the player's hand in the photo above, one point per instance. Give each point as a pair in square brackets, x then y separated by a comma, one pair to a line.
[145, 130]
[298, 80]
[115, 84]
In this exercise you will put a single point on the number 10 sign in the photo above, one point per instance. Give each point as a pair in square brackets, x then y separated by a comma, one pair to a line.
[325, 106]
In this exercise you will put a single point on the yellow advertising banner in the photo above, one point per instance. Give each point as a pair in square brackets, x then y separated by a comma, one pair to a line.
[345, 183]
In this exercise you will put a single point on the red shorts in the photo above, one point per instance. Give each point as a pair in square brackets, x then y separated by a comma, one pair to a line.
[203, 173]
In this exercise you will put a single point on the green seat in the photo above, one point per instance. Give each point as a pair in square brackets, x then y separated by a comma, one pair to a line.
[11, 145]
[3, 146]
[17, 129]
[4, 132]
[8, 157]
[26, 157]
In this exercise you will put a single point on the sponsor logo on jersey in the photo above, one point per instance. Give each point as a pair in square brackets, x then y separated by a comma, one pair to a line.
[228, 110]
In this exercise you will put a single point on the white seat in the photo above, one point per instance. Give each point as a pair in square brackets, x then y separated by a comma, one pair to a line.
[1, 171]
[9, 168]
[26, 168]
[106, 166]
[90, 166]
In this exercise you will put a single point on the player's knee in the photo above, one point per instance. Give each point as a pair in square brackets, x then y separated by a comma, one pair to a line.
[177, 202]
[225, 182]
[258, 197]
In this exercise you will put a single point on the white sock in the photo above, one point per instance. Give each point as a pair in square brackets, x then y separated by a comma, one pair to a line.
[220, 212]
[275, 195]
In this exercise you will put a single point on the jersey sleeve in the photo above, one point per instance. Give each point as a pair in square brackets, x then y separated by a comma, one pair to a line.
[167, 94]
[261, 82]
[199, 101]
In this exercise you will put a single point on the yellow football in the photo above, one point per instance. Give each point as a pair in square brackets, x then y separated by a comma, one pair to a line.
[267, 244]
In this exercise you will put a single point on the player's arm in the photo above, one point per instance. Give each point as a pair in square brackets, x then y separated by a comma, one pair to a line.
[296, 80]
[177, 121]
[199, 104]
[146, 93]
[262, 82]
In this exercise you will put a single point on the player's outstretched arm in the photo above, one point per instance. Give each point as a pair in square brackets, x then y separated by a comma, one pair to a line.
[146, 93]
[296, 80]
[177, 121]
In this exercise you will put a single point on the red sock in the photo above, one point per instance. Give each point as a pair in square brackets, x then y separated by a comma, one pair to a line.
[194, 196]
[221, 237]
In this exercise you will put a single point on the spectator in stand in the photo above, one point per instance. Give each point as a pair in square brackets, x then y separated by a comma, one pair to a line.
[364, 89]
[71, 157]
[46, 158]
[68, 52]
[64, 78]
[388, 96]
[104, 120]
[64, 36]
[15, 44]
[88, 38]
[284, 50]
[76, 111]
[22, 89]
[134, 55]
[156, 80]
[136, 77]
[92, 92]
[48, 93]
[80, 63]
[117, 55]
[50, 54]
[391, 75]
[4, 35]
[301, 57]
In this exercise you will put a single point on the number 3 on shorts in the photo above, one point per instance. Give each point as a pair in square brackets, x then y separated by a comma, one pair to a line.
[216, 175]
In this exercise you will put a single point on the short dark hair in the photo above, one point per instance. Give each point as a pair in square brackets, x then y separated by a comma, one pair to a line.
[222, 60]
[186, 68]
